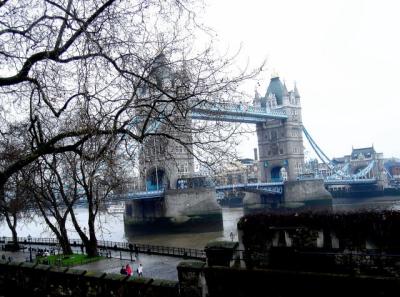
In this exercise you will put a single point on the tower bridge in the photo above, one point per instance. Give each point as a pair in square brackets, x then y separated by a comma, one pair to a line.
[278, 119]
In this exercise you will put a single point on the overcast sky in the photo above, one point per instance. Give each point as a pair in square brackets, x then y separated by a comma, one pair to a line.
[344, 56]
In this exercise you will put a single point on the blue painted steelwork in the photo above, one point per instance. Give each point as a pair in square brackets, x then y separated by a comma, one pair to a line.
[275, 187]
[140, 195]
[227, 118]
[272, 187]
[239, 113]
[339, 173]
[333, 182]
[323, 157]
[388, 173]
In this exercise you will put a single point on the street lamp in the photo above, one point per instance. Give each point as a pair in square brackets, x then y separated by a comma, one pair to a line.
[30, 247]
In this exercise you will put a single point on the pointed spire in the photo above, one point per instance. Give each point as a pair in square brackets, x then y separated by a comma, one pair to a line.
[285, 91]
[160, 68]
[256, 94]
[296, 92]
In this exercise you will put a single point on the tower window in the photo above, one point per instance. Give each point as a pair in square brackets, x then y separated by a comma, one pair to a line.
[183, 167]
[274, 135]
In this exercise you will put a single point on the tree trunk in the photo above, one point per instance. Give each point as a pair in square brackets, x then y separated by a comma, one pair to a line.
[59, 231]
[91, 246]
[90, 242]
[15, 237]
[64, 242]
[13, 228]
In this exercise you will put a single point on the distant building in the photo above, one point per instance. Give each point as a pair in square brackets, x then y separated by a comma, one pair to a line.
[237, 172]
[350, 165]
[360, 158]
[392, 170]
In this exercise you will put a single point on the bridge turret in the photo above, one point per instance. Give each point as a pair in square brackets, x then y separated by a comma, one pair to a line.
[276, 89]
[285, 97]
[257, 99]
[162, 161]
[296, 91]
[280, 142]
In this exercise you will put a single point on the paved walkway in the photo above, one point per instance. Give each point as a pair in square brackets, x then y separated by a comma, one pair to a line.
[154, 266]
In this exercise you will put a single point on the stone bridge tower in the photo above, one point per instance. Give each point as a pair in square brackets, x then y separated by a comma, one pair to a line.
[280, 142]
[163, 161]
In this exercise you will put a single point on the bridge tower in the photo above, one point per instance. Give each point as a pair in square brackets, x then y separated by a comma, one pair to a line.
[162, 161]
[280, 142]
[166, 162]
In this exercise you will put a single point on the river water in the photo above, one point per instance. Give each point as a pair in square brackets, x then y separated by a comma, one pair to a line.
[110, 226]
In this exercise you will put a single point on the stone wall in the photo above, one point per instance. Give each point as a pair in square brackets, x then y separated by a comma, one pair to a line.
[238, 282]
[196, 279]
[348, 230]
[29, 279]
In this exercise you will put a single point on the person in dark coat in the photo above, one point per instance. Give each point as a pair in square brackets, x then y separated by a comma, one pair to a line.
[123, 270]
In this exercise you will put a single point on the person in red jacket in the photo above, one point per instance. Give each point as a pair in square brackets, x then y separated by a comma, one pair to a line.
[128, 269]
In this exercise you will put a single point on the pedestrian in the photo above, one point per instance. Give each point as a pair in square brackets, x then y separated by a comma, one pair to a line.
[128, 269]
[123, 270]
[231, 235]
[140, 269]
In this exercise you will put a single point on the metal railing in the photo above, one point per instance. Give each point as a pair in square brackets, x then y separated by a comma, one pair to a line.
[117, 246]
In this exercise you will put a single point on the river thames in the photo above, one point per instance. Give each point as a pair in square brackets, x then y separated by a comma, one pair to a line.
[110, 226]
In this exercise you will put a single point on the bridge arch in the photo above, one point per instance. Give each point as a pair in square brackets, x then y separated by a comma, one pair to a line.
[278, 173]
[157, 179]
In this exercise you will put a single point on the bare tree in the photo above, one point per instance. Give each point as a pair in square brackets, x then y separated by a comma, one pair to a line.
[72, 71]
[14, 203]
[60, 181]
[54, 196]
[95, 176]
[15, 198]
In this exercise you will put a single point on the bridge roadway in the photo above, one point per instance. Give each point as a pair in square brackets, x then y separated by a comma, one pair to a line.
[237, 113]
[353, 181]
[243, 113]
[272, 188]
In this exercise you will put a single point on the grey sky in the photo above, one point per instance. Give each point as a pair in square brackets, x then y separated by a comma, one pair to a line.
[344, 56]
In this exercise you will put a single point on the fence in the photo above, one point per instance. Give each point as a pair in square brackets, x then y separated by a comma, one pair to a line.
[117, 246]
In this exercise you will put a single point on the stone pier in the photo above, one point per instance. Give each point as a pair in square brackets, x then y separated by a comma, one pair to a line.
[300, 192]
[191, 209]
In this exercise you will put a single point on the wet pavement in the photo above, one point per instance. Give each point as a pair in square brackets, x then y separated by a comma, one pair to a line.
[154, 266]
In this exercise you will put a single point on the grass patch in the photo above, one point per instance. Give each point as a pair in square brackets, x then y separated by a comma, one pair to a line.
[67, 260]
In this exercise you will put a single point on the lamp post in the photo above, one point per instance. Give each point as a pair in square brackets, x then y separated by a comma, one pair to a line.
[30, 248]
